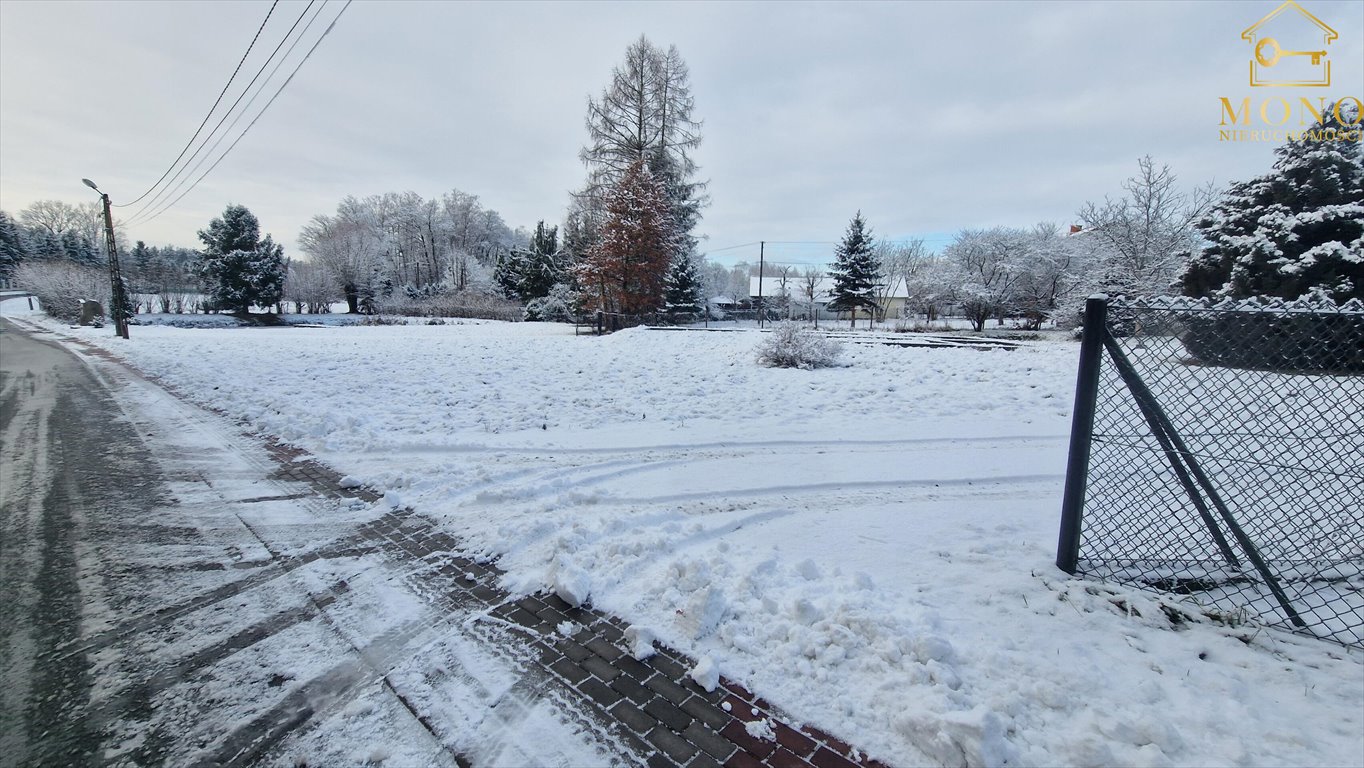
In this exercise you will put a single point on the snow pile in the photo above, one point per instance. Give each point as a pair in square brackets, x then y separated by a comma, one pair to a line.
[706, 673]
[640, 642]
[868, 547]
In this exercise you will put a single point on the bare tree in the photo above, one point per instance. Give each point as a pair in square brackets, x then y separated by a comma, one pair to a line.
[644, 111]
[310, 287]
[643, 115]
[809, 288]
[989, 264]
[1143, 232]
[1053, 268]
[902, 262]
[347, 246]
[785, 278]
[935, 284]
[57, 218]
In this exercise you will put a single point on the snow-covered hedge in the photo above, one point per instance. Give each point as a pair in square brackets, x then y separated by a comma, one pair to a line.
[1310, 334]
[1281, 341]
[61, 286]
[466, 304]
[793, 346]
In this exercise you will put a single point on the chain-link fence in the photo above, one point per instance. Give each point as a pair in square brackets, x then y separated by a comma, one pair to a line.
[609, 322]
[1218, 453]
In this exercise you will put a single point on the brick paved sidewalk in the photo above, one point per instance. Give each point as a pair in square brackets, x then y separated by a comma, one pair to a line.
[660, 710]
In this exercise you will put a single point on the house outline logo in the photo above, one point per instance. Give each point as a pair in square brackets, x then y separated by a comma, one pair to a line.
[1267, 53]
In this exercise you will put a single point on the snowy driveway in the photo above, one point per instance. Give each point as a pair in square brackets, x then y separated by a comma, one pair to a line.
[170, 596]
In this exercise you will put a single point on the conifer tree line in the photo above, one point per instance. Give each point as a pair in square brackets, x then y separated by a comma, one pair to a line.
[58, 251]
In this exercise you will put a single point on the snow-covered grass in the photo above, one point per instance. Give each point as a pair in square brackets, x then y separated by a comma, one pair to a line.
[869, 547]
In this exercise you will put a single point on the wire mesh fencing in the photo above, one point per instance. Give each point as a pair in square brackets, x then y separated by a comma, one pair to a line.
[1218, 453]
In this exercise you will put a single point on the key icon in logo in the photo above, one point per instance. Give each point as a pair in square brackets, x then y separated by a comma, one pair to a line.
[1269, 61]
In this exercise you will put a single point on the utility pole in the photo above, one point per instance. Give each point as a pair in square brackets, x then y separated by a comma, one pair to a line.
[117, 298]
[762, 246]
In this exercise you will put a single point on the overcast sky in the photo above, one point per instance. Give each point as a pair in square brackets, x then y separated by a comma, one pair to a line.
[928, 117]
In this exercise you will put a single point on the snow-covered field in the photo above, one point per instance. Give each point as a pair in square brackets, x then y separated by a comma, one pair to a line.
[868, 547]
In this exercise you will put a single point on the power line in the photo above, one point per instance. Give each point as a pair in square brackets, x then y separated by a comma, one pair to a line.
[182, 175]
[290, 79]
[221, 94]
[730, 247]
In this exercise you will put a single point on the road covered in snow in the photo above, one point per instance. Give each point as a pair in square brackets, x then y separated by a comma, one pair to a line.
[868, 547]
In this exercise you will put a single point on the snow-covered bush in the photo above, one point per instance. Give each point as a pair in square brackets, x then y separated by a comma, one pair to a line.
[547, 309]
[557, 307]
[793, 346]
[61, 286]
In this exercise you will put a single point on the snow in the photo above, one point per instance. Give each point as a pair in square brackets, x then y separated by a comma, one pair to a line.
[641, 642]
[761, 729]
[706, 673]
[868, 547]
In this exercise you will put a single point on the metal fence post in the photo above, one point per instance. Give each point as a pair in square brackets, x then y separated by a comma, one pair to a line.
[1081, 432]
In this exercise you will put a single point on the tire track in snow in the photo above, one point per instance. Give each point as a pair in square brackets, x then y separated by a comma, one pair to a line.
[806, 488]
[925, 443]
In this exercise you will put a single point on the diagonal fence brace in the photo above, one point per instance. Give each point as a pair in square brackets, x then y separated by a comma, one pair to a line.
[1178, 453]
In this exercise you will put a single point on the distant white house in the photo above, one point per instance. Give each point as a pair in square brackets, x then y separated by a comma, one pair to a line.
[895, 295]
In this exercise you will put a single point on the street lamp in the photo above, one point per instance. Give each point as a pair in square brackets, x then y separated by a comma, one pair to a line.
[118, 298]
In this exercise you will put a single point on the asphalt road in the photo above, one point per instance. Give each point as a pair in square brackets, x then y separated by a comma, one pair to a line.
[157, 605]
[69, 467]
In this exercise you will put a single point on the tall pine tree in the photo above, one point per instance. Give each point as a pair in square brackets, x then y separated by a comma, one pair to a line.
[644, 114]
[239, 268]
[855, 271]
[1298, 229]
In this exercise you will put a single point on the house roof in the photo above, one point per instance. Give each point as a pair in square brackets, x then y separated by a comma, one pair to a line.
[1249, 33]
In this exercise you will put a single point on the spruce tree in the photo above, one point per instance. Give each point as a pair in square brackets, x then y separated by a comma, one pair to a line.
[542, 268]
[142, 256]
[510, 272]
[239, 268]
[530, 274]
[855, 271]
[12, 248]
[46, 245]
[80, 250]
[682, 288]
[1296, 230]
